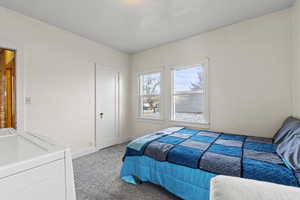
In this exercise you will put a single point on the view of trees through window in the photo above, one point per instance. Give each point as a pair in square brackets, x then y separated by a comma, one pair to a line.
[188, 94]
[150, 95]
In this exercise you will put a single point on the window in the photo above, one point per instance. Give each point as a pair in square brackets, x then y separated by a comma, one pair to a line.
[149, 95]
[189, 94]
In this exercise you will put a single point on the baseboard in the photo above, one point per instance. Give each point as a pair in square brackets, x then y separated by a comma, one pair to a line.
[90, 150]
[125, 139]
[115, 142]
[130, 138]
[84, 152]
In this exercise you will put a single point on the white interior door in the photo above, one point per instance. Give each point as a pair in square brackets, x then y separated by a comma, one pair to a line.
[107, 107]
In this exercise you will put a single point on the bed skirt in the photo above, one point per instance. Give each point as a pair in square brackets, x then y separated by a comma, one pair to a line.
[184, 182]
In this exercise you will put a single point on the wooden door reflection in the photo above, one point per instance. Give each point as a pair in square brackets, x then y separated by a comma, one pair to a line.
[7, 88]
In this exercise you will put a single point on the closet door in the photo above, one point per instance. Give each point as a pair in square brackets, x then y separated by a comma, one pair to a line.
[107, 107]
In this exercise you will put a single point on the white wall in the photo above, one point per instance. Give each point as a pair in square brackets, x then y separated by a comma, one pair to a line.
[59, 77]
[250, 74]
[296, 58]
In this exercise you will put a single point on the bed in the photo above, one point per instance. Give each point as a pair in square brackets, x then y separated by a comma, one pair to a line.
[183, 161]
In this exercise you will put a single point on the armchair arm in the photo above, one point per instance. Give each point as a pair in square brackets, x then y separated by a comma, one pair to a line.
[233, 188]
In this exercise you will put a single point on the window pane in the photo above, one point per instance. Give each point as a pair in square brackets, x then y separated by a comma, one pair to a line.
[150, 84]
[151, 106]
[189, 107]
[190, 79]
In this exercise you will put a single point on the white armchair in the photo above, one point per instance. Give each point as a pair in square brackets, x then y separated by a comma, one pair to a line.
[233, 188]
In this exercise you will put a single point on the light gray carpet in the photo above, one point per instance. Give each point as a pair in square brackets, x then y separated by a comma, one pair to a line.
[97, 178]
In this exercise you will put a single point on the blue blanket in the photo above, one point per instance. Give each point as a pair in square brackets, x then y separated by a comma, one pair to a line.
[216, 153]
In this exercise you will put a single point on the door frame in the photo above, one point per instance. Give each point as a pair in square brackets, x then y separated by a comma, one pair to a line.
[117, 102]
[20, 86]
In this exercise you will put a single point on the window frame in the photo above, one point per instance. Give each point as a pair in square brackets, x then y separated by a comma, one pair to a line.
[206, 113]
[140, 96]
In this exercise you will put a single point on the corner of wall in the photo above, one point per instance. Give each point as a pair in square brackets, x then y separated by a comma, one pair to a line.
[295, 45]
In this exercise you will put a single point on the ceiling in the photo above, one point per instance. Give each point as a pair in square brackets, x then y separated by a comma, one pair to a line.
[136, 25]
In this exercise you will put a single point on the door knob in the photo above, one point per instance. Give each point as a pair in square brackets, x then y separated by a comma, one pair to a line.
[101, 115]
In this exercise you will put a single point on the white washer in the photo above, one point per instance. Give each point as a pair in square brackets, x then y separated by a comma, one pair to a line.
[34, 168]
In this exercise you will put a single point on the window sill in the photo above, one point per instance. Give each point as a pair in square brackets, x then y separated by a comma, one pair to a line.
[203, 124]
[200, 125]
[150, 119]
